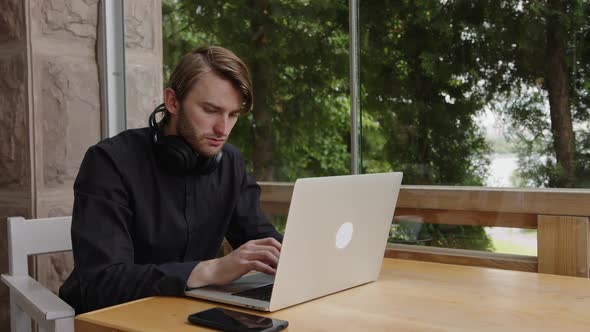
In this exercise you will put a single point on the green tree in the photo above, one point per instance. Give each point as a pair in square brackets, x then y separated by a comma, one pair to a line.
[533, 62]
[418, 102]
[417, 85]
[297, 54]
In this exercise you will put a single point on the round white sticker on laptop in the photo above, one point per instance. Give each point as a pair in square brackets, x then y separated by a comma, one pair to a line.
[344, 235]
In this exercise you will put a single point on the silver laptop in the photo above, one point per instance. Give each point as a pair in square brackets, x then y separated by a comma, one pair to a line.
[335, 239]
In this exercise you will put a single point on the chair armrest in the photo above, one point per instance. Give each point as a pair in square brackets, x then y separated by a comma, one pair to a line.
[37, 301]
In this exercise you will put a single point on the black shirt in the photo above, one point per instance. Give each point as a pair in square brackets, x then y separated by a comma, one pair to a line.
[139, 231]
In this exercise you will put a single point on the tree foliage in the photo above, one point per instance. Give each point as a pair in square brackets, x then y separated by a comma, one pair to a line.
[417, 74]
[297, 55]
[533, 61]
[417, 114]
[428, 69]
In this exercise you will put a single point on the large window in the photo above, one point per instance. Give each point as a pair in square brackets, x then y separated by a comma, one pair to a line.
[488, 93]
[297, 53]
[454, 93]
[476, 93]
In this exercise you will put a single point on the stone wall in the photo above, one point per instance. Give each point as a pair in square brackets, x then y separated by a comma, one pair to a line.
[143, 55]
[15, 170]
[50, 97]
[66, 104]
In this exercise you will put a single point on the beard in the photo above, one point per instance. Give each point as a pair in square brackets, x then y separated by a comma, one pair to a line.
[196, 139]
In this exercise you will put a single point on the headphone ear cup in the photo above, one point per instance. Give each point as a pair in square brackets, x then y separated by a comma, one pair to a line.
[208, 165]
[175, 154]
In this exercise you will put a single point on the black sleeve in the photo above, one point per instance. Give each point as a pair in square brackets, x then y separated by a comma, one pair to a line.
[248, 222]
[102, 241]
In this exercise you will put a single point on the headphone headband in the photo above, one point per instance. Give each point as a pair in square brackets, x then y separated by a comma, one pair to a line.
[173, 152]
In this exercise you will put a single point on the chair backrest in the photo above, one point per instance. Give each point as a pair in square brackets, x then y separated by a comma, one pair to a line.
[35, 236]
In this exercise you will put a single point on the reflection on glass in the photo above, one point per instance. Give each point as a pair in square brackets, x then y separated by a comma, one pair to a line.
[249, 321]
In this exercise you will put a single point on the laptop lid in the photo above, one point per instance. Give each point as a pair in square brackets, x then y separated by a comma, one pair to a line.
[335, 237]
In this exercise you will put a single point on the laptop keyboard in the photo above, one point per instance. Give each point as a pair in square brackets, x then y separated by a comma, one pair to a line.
[260, 293]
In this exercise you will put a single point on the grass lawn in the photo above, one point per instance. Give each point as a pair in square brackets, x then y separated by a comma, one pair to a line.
[513, 241]
[509, 247]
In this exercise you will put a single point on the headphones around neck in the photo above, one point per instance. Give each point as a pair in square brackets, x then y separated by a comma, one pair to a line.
[174, 154]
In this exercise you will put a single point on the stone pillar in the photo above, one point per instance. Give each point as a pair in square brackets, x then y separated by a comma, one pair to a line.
[15, 158]
[66, 110]
[50, 103]
[143, 55]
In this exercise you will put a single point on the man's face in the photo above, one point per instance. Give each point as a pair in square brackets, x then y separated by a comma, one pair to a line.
[208, 113]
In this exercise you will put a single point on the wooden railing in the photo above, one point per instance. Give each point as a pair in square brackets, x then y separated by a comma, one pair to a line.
[561, 217]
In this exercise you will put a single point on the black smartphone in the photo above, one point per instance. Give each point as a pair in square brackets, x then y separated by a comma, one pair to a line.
[236, 321]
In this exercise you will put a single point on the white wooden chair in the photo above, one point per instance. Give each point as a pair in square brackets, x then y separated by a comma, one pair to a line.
[28, 298]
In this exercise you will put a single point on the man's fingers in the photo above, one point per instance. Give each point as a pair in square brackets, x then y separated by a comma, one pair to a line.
[261, 267]
[260, 255]
[263, 256]
[274, 251]
[269, 241]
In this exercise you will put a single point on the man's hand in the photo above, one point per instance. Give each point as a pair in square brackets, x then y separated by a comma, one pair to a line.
[255, 255]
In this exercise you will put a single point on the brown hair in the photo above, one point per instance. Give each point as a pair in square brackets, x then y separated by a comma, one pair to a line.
[222, 61]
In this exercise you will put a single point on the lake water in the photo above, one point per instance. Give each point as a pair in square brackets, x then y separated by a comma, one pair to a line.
[501, 170]
[508, 240]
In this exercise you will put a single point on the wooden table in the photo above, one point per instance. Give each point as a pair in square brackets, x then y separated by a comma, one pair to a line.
[409, 296]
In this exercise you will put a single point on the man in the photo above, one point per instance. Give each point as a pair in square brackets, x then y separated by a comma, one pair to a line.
[152, 205]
